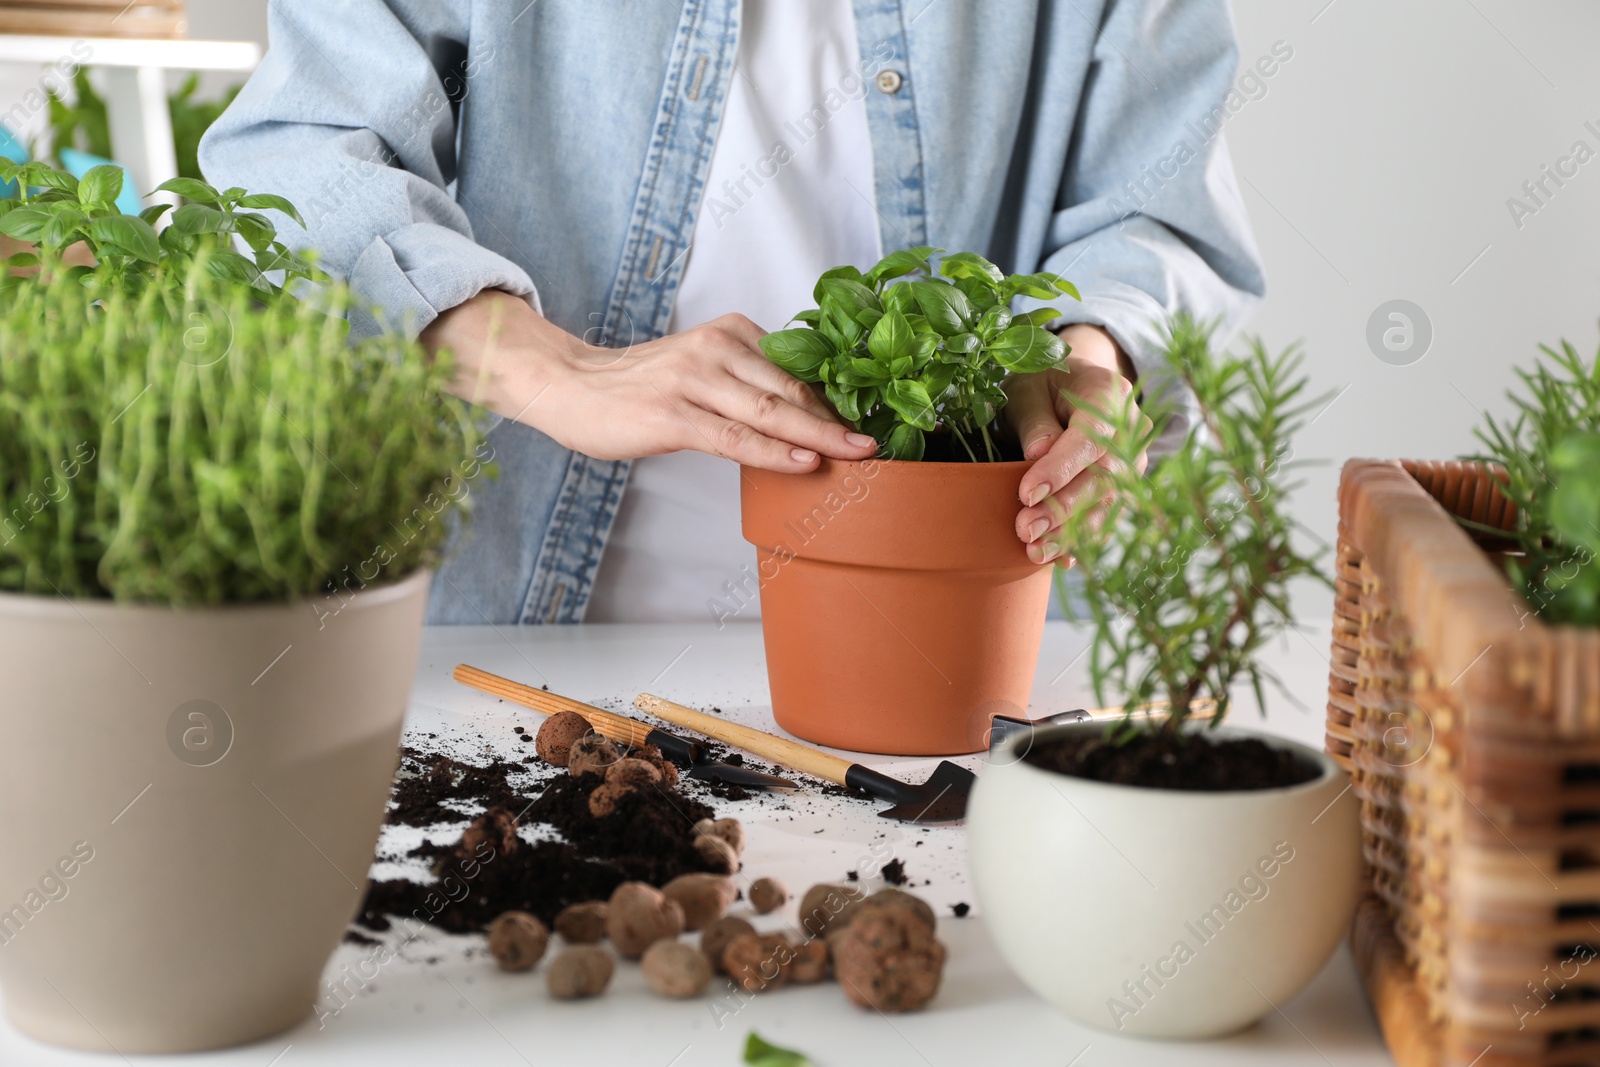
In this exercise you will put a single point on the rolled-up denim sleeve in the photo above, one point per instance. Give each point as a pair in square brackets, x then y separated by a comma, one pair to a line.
[350, 116]
[1149, 221]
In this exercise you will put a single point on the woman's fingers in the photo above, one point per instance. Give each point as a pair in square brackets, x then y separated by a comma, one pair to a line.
[731, 439]
[1091, 487]
[776, 416]
[1031, 407]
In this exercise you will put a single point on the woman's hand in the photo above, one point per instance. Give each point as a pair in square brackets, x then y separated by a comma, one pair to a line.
[1051, 412]
[708, 389]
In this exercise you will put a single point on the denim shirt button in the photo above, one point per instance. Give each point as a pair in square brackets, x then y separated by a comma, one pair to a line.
[889, 81]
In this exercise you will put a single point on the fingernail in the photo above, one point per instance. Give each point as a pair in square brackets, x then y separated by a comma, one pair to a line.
[1037, 529]
[1048, 552]
[802, 455]
[860, 440]
[1038, 493]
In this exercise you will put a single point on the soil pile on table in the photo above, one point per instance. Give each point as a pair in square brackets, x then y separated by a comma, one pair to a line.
[648, 838]
[1190, 761]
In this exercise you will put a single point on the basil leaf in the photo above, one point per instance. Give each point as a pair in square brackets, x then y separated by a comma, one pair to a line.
[900, 263]
[800, 352]
[25, 223]
[963, 343]
[268, 202]
[947, 308]
[994, 320]
[869, 370]
[847, 273]
[130, 235]
[967, 265]
[900, 298]
[198, 218]
[891, 338]
[1026, 349]
[851, 295]
[911, 402]
[1039, 317]
[905, 442]
[760, 1053]
[100, 185]
[844, 401]
[190, 189]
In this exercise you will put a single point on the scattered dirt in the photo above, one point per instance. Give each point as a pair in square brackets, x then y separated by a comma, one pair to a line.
[648, 839]
[894, 872]
[961, 909]
[1192, 762]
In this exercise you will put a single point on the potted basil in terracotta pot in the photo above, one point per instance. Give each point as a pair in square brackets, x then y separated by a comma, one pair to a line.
[899, 610]
[216, 521]
[1168, 877]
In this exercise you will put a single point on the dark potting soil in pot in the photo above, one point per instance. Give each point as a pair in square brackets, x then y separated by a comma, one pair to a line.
[1190, 761]
[647, 838]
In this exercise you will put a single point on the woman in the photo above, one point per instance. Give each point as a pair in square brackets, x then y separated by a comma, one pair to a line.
[599, 208]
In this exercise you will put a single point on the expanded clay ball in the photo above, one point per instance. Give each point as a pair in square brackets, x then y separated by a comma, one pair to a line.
[580, 971]
[582, 924]
[638, 915]
[558, 734]
[604, 800]
[675, 970]
[592, 755]
[887, 959]
[767, 895]
[758, 963]
[826, 906]
[704, 898]
[496, 828]
[715, 938]
[652, 755]
[630, 771]
[717, 854]
[730, 830]
[517, 941]
[812, 962]
[899, 898]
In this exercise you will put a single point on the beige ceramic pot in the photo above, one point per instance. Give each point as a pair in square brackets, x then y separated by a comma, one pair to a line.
[191, 802]
[1160, 912]
[900, 611]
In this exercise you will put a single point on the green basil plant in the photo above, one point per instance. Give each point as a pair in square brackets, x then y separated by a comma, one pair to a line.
[901, 351]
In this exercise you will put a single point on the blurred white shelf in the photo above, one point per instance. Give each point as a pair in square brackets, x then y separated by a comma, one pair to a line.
[132, 52]
[141, 125]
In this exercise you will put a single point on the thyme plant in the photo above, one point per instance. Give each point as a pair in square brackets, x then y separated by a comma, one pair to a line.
[175, 428]
[1186, 570]
[928, 351]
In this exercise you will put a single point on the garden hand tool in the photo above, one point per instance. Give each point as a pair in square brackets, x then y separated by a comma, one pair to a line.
[942, 798]
[620, 728]
[1005, 727]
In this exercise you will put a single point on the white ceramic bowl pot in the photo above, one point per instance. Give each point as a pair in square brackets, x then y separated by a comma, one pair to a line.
[191, 801]
[1163, 913]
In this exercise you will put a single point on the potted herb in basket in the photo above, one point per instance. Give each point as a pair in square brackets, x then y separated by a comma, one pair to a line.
[905, 567]
[1465, 692]
[216, 519]
[1210, 871]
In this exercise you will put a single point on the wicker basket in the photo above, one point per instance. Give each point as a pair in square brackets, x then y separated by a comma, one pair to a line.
[1472, 732]
[94, 18]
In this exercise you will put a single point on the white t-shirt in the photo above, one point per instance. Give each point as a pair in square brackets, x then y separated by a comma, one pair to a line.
[790, 194]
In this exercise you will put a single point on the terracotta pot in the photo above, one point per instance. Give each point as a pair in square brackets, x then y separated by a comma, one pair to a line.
[900, 611]
[192, 800]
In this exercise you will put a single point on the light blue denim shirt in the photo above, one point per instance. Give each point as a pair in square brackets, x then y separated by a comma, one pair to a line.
[558, 149]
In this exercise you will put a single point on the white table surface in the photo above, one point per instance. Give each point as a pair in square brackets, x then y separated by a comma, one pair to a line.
[443, 1002]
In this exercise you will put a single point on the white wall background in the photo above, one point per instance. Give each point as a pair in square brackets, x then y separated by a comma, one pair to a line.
[1377, 166]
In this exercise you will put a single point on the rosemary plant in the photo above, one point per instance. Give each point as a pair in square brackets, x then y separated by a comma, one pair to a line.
[1186, 570]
